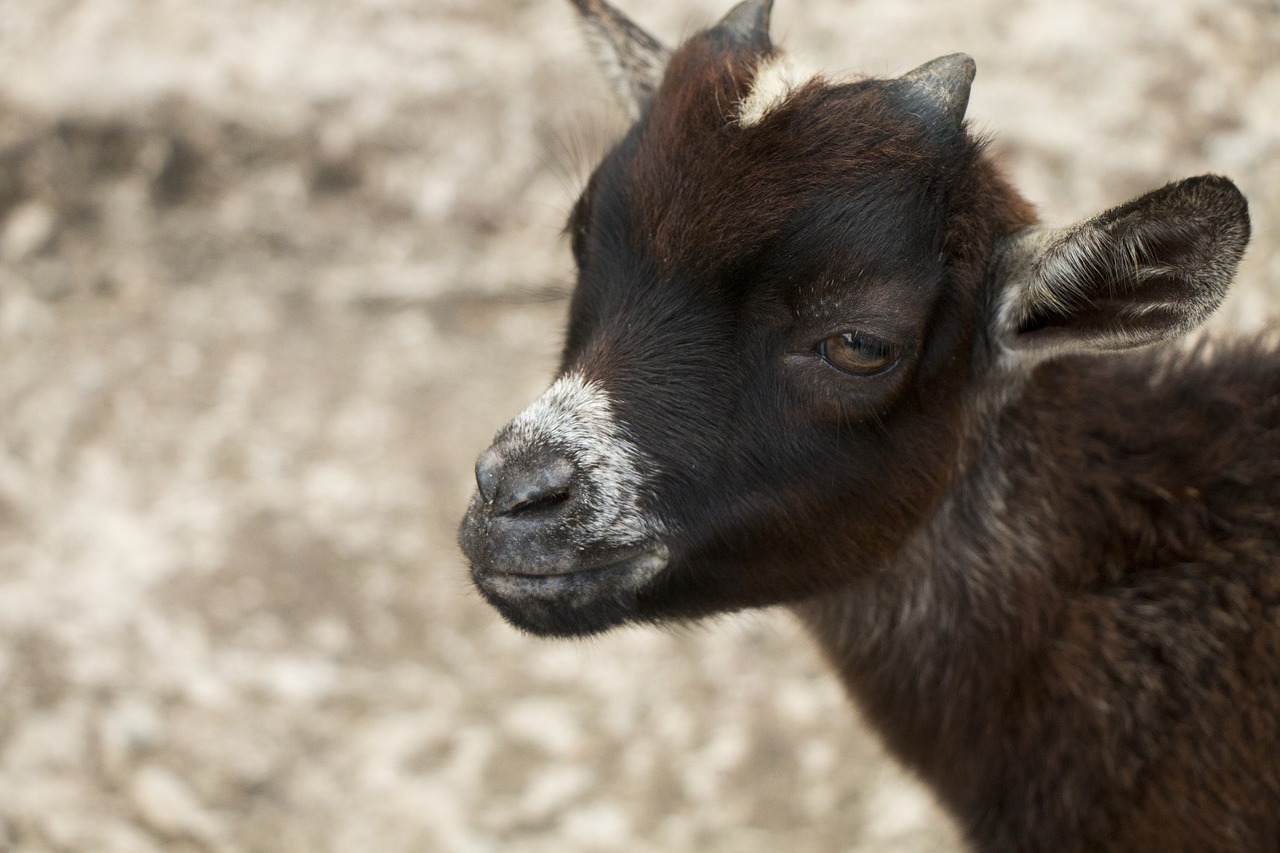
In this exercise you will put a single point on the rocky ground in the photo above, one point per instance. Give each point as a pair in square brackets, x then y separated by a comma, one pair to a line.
[271, 273]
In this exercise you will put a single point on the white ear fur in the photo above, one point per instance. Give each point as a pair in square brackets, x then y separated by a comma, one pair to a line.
[632, 61]
[1146, 271]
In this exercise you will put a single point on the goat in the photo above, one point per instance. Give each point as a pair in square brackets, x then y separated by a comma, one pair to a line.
[821, 354]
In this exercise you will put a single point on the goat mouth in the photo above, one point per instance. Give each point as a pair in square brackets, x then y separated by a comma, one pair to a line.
[641, 562]
[577, 600]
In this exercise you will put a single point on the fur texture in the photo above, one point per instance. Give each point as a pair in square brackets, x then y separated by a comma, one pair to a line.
[859, 379]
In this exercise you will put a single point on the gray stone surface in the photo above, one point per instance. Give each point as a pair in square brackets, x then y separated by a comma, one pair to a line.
[271, 274]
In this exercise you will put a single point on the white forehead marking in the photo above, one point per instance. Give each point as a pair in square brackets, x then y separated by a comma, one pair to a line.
[776, 78]
[576, 416]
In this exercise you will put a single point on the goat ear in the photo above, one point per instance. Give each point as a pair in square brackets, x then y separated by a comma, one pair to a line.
[632, 60]
[1148, 270]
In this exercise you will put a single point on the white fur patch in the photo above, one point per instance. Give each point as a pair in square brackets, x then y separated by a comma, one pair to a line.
[1041, 268]
[575, 415]
[632, 61]
[775, 81]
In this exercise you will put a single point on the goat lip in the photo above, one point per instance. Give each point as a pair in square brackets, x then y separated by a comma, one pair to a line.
[646, 561]
[597, 594]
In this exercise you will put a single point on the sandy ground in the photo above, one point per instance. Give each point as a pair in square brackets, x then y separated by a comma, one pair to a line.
[272, 273]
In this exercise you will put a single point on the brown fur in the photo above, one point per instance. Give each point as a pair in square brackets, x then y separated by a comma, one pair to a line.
[1100, 667]
[1044, 562]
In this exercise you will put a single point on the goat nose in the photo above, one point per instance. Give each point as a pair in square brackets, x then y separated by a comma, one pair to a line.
[487, 468]
[533, 481]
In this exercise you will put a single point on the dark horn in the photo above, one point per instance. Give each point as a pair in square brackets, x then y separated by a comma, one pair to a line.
[748, 21]
[943, 83]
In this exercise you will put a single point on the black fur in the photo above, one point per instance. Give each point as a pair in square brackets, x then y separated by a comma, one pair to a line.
[1046, 564]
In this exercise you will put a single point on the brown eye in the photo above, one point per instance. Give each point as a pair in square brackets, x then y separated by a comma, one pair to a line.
[858, 353]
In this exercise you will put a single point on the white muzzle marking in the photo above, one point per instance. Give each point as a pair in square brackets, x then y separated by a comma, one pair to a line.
[575, 415]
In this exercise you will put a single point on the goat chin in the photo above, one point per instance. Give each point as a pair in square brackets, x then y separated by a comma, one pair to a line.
[578, 592]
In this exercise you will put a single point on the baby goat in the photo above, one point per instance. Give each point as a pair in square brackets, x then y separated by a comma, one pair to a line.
[821, 354]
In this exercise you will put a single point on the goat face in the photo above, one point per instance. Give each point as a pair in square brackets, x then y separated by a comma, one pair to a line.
[764, 309]
[785, 303]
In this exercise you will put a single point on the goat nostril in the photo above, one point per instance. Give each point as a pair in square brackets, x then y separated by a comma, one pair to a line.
[533, 488]
[537, 502]
[488, 466]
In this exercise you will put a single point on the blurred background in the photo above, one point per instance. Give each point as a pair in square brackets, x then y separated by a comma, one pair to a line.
[271, 274]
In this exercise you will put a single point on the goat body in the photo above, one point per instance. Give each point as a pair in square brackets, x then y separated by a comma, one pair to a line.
[822, 355]
[1081, 649]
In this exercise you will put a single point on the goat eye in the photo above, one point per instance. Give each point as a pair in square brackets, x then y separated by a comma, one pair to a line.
[858, 353]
